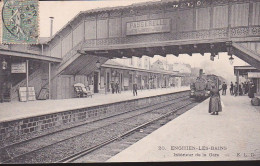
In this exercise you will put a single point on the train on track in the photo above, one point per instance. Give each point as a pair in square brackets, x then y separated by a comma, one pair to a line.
[200, 89]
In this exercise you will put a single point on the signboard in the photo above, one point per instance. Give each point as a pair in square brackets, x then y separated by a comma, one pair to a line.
[148, 26]
[18, 67]
[253, 74]
[31, 94]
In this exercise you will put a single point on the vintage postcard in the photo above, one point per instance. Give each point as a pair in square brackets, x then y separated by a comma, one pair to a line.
[20, 21]
[129, 81]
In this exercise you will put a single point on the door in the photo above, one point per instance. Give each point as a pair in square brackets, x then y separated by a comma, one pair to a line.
[5, 85]
[65, 87]
[95, 82]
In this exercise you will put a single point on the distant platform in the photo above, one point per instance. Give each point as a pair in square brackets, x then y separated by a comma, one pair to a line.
[196, 135]
[19, 110]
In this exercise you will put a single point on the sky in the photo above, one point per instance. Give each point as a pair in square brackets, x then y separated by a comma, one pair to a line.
[64, 11]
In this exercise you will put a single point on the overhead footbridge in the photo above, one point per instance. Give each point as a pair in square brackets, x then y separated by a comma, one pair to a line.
[160, 28]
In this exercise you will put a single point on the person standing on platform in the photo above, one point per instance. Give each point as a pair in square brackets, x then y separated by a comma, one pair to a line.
[235, 88]
[113, 87]
[214, 102]
[231, 88]
[240, 90]
[224, 88]
[135, 89]
[246, 87]
[117, 87]
[252, 90]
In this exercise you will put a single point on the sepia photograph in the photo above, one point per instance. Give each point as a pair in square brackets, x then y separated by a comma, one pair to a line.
[116, 81]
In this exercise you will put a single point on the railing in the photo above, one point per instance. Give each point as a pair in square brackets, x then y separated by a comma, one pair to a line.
[73, 51]
[245, 31]
[216, 33]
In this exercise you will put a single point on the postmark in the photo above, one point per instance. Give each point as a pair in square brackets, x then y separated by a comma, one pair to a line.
[20, 20]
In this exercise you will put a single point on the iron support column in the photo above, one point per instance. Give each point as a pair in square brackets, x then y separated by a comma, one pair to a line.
[27, 80]
[49, 81]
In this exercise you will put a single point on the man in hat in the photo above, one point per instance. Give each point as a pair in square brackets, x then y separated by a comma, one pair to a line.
[224, 88]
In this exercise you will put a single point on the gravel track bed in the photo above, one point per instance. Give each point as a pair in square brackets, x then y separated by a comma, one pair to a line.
[3, 155]
[44, 141]
[106, 152]
[151, 115]
[69, 147]
[136, 121]
[169, 109]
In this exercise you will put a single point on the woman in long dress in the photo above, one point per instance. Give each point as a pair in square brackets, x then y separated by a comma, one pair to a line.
[252, 90]
[214, 102]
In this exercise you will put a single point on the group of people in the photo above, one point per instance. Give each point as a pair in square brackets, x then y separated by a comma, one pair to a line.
[242, 89]
[235, 89]
[115, 87]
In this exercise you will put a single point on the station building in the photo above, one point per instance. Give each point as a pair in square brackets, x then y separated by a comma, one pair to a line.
[248, 73]
[144, 78]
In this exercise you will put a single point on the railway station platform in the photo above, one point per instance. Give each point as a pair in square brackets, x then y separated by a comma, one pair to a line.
[196, 135]
[20, 110]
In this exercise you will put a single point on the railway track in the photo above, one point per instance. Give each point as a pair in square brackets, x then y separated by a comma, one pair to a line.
[103, 153]
[64, 145]
[109, 148]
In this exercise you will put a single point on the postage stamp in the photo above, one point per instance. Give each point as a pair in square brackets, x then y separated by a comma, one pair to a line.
[20, 20]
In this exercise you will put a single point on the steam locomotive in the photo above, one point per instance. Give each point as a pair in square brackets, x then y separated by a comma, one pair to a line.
[200, 89]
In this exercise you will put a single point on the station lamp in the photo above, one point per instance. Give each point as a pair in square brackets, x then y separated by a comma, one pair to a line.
[230, 52]
[212, 56]
[231, 60]
[4, 65]
[98, 64]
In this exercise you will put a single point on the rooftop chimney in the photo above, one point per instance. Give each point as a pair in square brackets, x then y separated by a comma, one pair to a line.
[51, 28]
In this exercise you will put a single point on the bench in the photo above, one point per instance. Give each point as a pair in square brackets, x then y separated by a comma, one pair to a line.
[82, 91]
